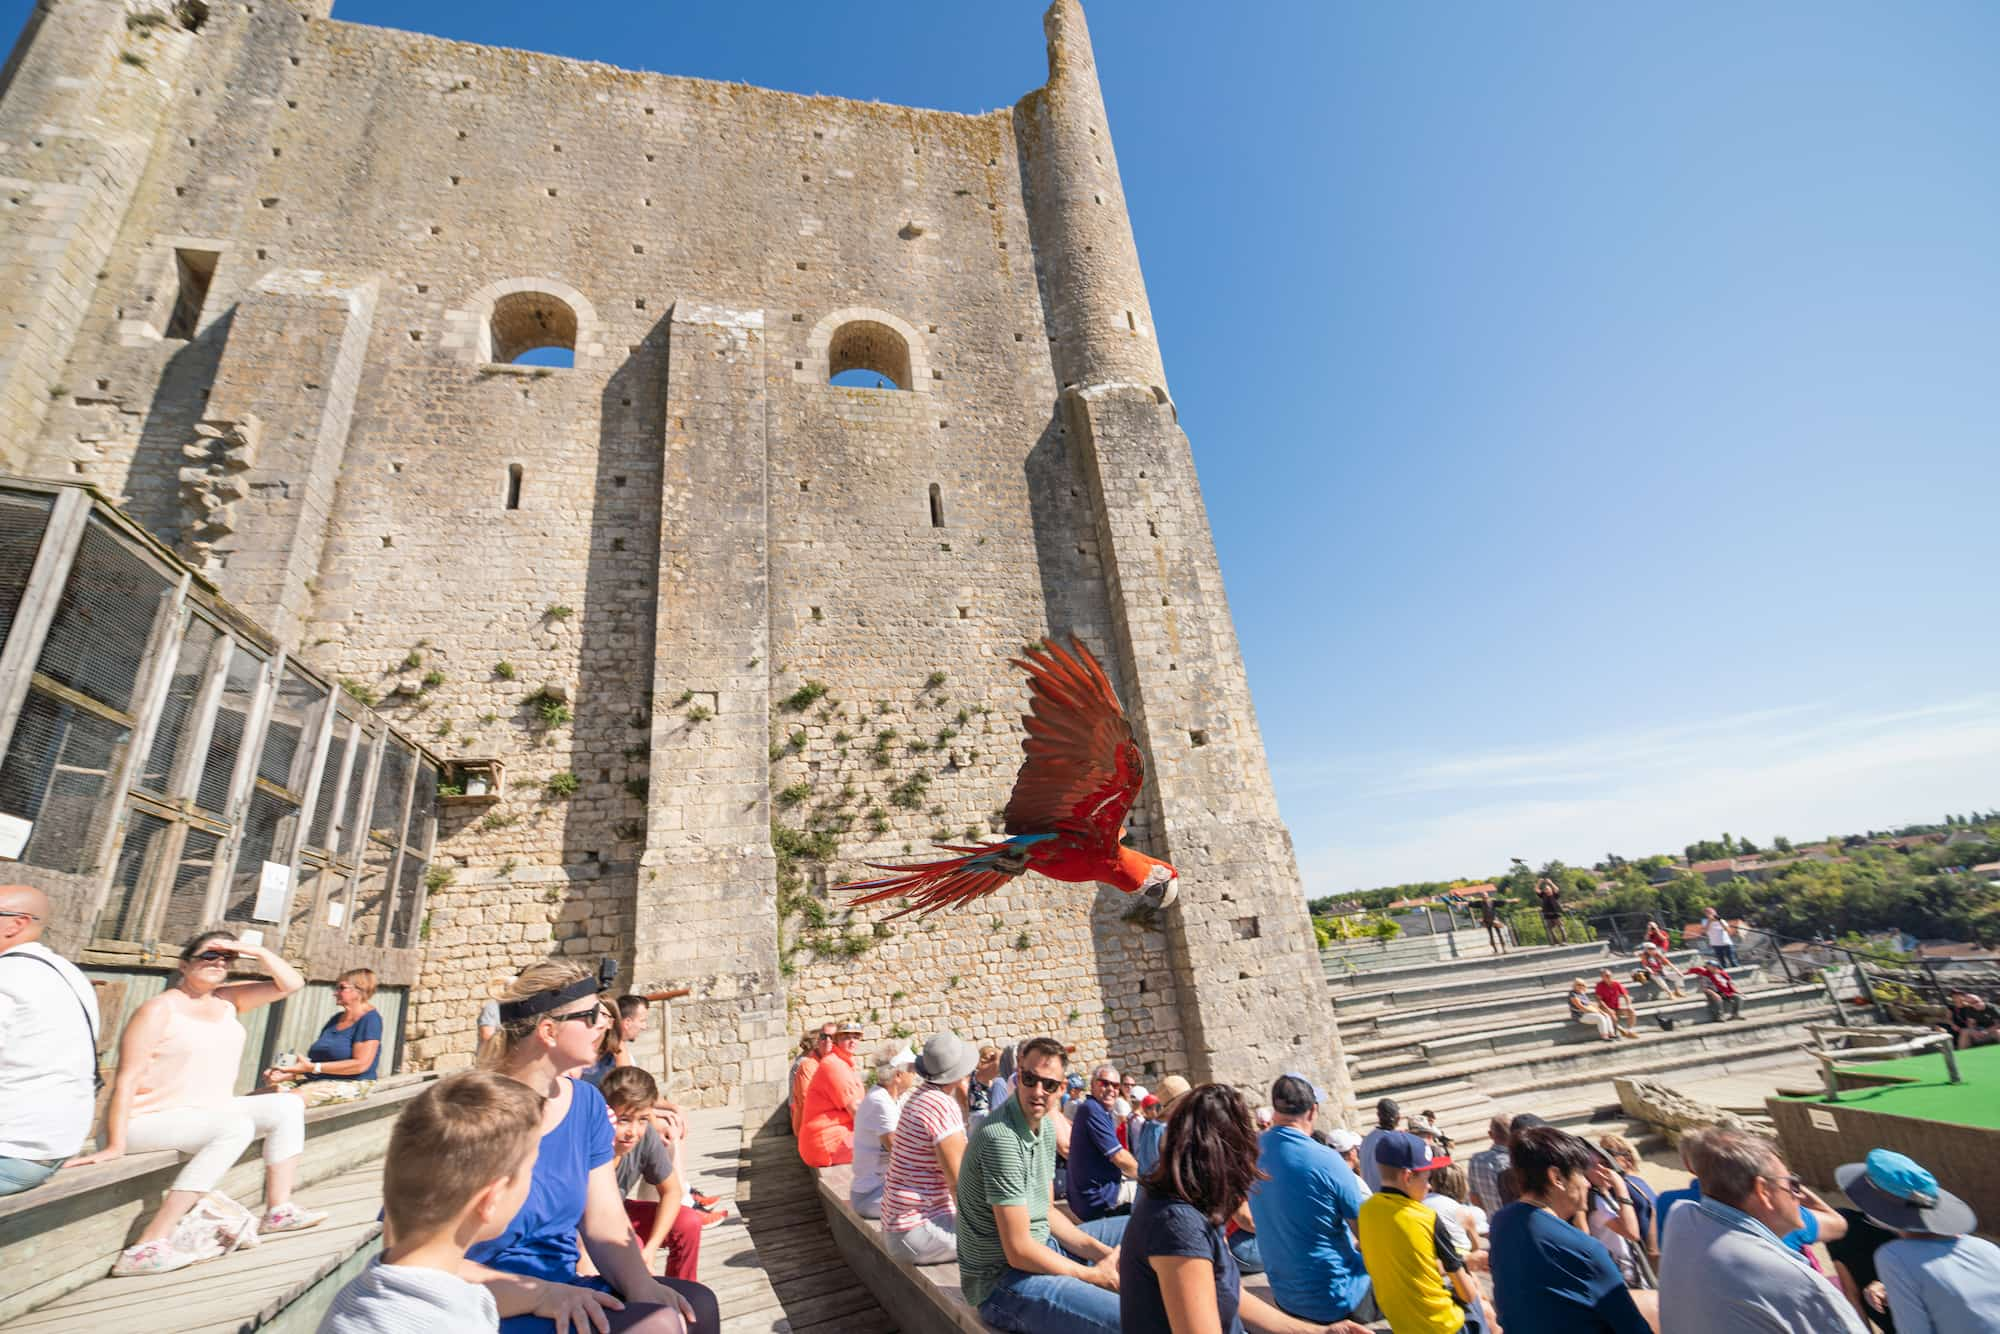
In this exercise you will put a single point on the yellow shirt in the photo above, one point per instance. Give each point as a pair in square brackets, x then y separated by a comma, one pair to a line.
[1407, 1257]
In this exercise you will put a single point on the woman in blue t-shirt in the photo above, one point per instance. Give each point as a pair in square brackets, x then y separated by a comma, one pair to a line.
[1175, 1269]
[550, 1019]
[340, 1065]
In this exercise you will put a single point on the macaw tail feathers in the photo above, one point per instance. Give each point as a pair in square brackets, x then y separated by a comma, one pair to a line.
[930, 886]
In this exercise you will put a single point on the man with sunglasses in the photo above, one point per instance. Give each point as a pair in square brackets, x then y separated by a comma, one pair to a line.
[1723, 1267]
[1023, 1264]
[1103, 1174]
[48, 1047]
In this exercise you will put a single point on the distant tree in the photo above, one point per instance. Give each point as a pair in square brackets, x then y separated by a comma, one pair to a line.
[1781, 843]
[1746, 847]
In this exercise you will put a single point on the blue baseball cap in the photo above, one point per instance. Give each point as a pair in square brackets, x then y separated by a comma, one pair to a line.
[1901, 1194]
[1411, 1153]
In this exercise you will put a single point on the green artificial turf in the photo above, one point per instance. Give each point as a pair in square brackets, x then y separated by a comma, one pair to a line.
[1928, 1095]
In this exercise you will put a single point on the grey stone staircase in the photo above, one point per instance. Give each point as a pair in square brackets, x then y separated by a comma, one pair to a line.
[1464, 1038]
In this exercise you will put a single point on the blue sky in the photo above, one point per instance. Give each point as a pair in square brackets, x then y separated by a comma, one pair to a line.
[1596, 405]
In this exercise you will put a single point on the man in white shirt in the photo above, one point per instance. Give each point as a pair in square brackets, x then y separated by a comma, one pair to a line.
[1721, 939]
[48, 1047]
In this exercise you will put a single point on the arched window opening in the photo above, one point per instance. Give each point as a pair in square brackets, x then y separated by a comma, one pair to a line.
[513, 486]
[937, 507]
[533, 329]
[867, 355]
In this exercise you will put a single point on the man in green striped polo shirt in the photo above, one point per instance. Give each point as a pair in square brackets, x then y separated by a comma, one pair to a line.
[1026, 1267]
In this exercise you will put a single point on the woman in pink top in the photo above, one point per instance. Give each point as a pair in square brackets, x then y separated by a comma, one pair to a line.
[177, 1063]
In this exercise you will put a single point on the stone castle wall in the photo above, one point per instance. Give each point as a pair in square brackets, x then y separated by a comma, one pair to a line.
[706, 526]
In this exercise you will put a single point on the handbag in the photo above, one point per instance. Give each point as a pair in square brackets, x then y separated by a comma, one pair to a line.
[215, 1226]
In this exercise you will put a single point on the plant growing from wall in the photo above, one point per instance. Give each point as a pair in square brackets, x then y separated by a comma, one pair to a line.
[700, 713]
[433, 679]
[638, 787]
[562, 785]
[504, 670]
[909, 794]
[1023, 941]
[549, 707]
[556, 611]
[794, 794]
[497, 821]
[683, 699]
[412, 661]
[436, 877]
[934, 680]
[803, 920]
[803, 698]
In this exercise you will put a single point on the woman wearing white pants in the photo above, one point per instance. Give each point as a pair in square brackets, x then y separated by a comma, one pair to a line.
[1584, 1009]
[177, 1062]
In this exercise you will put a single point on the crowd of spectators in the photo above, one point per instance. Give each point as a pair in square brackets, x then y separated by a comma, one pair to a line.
[1065, 1214]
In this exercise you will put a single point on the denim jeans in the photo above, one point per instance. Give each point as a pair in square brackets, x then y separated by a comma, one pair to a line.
[867, 1203]
[1052, 1304]
[1249, 1258]
[19, 1174]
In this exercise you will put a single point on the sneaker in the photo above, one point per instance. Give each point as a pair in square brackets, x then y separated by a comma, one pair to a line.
[289, 1217]
[710, 1217]
[704, 1201]
[150, 1257]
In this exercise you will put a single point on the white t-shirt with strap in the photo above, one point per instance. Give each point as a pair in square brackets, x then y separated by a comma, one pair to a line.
[915, 1188]
[48, 1054]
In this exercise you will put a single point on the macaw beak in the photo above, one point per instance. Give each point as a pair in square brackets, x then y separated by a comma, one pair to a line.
[1162, 887]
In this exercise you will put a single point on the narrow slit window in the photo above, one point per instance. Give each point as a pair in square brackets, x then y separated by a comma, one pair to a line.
[937, 507]
[194, 270]
[513, 486]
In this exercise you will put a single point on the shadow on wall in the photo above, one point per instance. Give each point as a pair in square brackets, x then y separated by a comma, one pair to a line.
[180, 399]
[603, 835]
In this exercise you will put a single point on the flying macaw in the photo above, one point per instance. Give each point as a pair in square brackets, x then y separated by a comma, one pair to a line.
[1067, 813]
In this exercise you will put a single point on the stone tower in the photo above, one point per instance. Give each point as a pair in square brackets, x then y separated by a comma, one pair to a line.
[733, 629]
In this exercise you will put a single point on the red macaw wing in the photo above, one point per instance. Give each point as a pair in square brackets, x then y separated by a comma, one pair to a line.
[930, 886]
[1083, 768]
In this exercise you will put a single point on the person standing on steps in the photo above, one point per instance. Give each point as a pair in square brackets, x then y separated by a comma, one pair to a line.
[1721, 938]
[1496, 930]
[48, 1047]
[1552, 911]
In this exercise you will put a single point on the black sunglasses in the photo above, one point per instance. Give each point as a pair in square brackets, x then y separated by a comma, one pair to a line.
[1029, 1081]
[213, 956]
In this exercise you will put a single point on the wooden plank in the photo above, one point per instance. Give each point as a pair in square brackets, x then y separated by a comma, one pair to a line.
[37, 611]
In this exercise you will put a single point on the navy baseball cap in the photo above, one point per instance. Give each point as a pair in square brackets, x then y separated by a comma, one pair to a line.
[1411, 1153]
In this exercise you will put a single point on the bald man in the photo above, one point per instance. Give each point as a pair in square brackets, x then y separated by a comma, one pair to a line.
[48, 1047]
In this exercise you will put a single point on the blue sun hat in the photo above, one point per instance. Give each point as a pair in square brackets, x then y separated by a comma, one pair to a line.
[1901, 1195]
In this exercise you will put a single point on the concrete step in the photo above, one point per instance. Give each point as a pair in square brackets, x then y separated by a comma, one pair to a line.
[1443, 990]
[1454, 1005]
[1559, 1030]
[1596, 1100]
[1553, 1066]
[1472, 961]
[1366, 955]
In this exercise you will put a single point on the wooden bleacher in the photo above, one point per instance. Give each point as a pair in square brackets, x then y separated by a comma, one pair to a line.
[63, 1236]
[920, 1298]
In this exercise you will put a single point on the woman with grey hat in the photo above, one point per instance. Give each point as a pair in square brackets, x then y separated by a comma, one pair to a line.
[920, 1192]
[1936, 1278]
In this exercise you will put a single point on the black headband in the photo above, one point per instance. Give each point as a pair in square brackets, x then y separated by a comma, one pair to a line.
[514, 1011]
